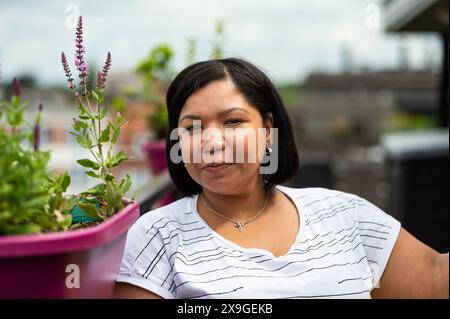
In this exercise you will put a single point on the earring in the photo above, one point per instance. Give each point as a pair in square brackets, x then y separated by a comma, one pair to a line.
[268, 151]
[269, 148]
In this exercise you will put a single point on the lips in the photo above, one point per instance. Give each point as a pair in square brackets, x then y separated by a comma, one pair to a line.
[216, 167]
[216, 164]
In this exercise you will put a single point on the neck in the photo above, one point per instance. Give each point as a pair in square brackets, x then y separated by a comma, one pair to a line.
[241, 206]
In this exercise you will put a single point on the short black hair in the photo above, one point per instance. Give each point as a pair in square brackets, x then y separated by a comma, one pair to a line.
[258, 90]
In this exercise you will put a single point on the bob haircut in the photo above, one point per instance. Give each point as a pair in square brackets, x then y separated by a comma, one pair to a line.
[258, 90]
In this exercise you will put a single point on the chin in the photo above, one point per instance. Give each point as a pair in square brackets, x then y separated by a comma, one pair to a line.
[226, 186]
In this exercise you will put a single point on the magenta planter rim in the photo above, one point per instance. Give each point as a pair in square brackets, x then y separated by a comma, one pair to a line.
[13, 246]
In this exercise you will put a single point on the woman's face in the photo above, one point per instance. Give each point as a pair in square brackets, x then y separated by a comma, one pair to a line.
[217, 125]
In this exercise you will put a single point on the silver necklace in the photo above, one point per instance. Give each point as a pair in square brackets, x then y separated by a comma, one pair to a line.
[237, 224]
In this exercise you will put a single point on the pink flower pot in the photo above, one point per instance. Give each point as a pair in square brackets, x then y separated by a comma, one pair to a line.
[156, 155]
[73, 264]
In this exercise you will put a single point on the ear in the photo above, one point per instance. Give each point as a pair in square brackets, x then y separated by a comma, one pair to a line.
[268, 124]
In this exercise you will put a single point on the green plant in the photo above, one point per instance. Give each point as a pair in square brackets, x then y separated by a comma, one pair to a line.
[217, 52]
[31, 197]
[155, 74]
[404, 121]
[96, 133]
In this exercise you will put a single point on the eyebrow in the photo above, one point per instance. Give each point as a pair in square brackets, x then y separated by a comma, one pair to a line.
[222, 113]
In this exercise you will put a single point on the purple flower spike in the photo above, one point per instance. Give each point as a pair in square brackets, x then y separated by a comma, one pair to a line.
[101, 76]
[37, 129]
[67, 71]
[107, 65]
[79, 55]
[37, 137]
[16, 87]
[100, 82]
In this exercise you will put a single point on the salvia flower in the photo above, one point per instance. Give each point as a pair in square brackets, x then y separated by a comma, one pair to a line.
[107, 65]
[16, 87]
[79, 55]
[101, 76]
[67, 71]
[100, 82]
[37, 129]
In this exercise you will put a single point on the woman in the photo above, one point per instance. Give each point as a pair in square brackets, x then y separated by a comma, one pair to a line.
[238, 233]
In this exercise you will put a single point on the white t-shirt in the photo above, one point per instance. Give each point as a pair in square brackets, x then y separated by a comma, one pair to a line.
[341, 251]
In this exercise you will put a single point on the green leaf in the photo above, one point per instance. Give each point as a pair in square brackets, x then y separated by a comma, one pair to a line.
[92, 192]
[65, 224]
[95, 96]
[14, 117]
[74, 133]
[109, 177]
[37, 201]
[125, 184]
[104, 111]
[92, 174]
[82, 110]
[89, 209]
[81, 141]
[45, 222]
[121, 156]
[88, 163]
[116, 160]
[84, 141]
[98, 189]
[65, 182]
[78, 125]
[115, 135]
[15, 101]
[30, 228]
[88, 141]
[105, 135]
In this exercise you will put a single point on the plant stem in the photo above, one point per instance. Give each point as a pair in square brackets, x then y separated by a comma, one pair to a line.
[99, 129]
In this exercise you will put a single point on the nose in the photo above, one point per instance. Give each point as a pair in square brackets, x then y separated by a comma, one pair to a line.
[213, 141]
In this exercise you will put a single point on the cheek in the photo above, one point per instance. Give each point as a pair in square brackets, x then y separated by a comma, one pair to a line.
[186, 148]
[249, 146]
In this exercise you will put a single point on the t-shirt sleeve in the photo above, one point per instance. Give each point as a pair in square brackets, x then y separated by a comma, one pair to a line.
[145, 262]
[379, 232]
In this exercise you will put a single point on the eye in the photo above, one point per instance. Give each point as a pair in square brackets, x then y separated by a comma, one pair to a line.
[193, 128]
[233, 121]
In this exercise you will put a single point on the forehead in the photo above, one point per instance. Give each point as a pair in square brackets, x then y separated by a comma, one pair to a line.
[214, 98]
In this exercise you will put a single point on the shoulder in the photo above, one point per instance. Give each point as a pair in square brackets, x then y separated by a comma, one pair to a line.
[318, 204]
[311, 195]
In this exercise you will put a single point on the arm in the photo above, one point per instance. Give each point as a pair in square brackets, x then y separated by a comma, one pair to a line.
[128, 291]
[414, 270]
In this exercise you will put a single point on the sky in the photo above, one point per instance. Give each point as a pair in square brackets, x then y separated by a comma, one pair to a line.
[288, 39]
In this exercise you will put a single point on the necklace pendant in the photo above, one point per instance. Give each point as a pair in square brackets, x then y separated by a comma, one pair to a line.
[239, 225]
